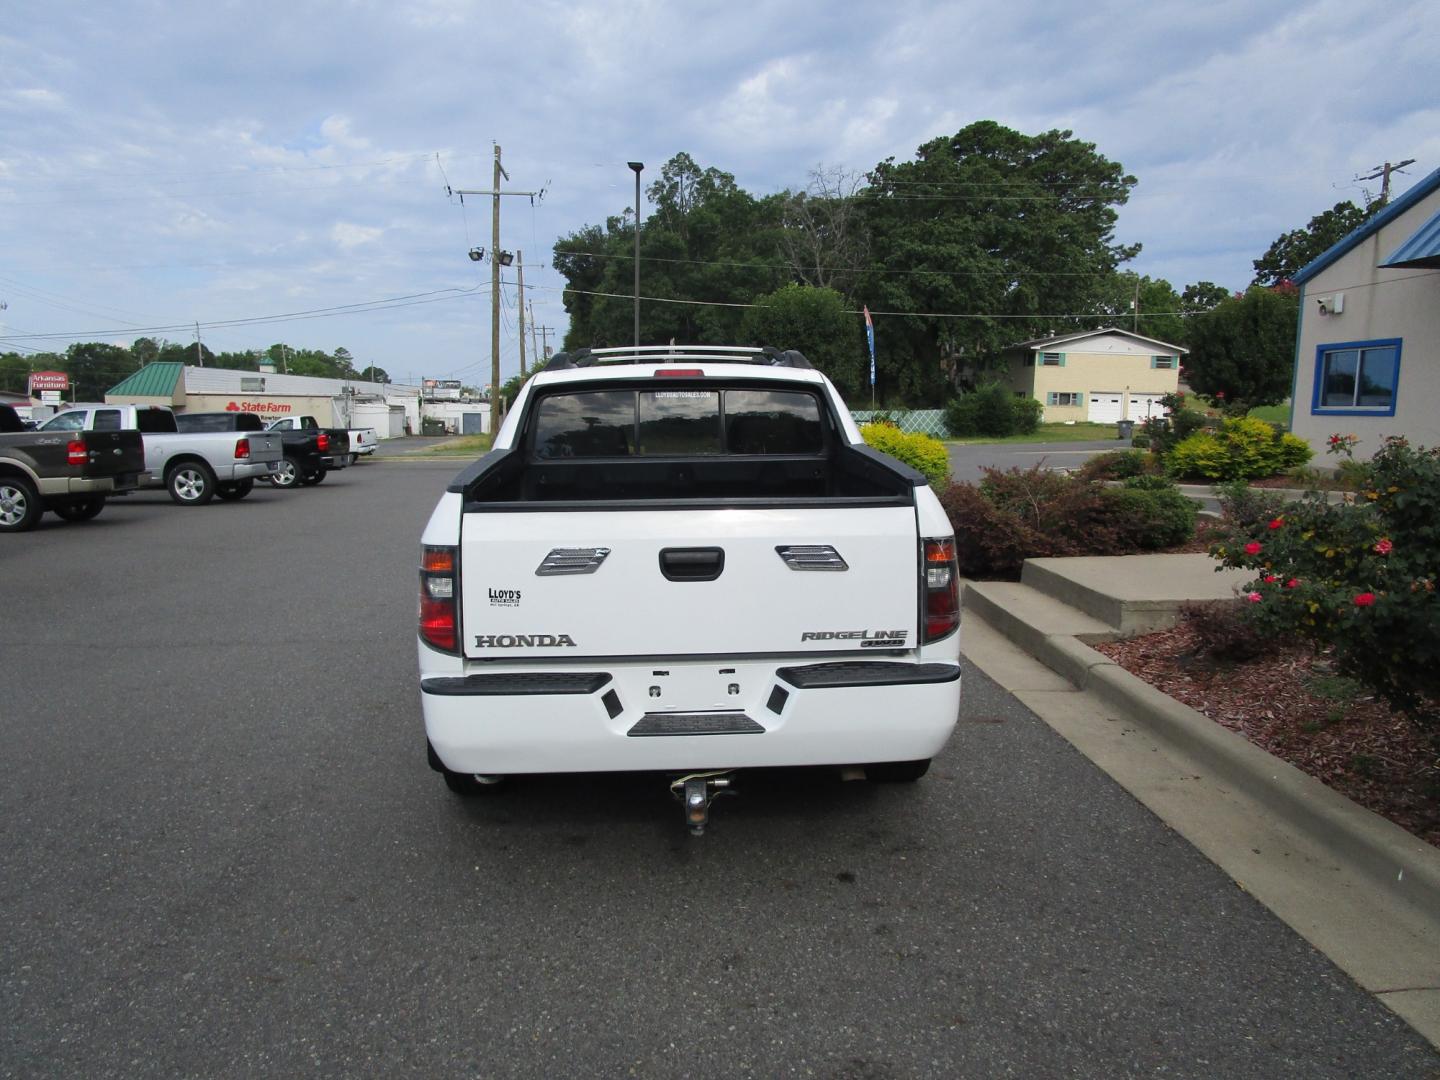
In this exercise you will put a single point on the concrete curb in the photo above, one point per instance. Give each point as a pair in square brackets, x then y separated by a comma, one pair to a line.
[1404, 866]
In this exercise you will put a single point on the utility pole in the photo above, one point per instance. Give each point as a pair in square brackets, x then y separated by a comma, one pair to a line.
[534, 351]
[1384, 171]
[199, 356]
[637, 167]
[495, 261]
[545, 332]
[520, 273]
[495, 298]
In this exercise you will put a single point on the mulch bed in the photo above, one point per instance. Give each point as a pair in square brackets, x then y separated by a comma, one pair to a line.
[1351, 742]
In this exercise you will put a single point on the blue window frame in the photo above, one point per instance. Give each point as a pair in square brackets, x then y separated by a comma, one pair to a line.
[1357, 378]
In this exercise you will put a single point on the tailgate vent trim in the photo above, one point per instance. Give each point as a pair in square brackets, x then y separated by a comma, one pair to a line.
[811, 557]
[572, 561]
[694, 723]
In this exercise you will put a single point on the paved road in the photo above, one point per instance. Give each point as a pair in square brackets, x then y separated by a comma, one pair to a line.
[222, 854]
[967, 462]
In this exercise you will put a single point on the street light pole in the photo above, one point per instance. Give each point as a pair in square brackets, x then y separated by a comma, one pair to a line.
[637, 167]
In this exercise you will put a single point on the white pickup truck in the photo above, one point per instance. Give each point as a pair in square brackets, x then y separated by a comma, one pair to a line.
[686, 560]
[194, 467]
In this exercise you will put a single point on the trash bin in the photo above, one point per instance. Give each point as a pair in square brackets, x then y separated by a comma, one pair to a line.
[1125, 428]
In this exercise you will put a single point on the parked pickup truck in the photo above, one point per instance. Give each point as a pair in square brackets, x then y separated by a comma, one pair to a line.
[193, 467]
[363, 441]
[326, 449]
[686, 560]
[307, 456]
[70, 474]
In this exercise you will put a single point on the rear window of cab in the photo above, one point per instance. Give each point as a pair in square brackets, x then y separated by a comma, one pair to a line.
[686, 421]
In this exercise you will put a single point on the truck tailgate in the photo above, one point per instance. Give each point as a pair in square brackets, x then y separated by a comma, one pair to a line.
[688, 582]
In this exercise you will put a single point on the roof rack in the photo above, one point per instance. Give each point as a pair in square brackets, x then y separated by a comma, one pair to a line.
[663, 354]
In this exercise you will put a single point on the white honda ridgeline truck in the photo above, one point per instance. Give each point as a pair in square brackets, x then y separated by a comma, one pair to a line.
[686, 560]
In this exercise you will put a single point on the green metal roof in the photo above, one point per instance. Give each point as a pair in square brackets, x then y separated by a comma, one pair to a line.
[152, 380]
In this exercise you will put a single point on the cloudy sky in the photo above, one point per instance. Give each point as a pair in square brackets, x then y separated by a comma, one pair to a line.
[235, 164]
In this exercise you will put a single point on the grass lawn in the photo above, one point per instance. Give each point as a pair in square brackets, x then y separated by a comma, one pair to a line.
[1275, 414]
[1047, 433]
[464, 446]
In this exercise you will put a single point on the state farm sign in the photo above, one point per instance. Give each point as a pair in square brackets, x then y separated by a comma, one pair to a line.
[48, 380]
[266, 408]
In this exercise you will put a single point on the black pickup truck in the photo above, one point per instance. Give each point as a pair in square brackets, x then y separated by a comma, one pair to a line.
[310, 452]
[69, 473]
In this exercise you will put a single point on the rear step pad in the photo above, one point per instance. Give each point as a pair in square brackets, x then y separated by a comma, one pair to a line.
[695, 723]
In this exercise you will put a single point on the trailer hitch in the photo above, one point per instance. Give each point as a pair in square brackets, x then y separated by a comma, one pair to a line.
[696, 792]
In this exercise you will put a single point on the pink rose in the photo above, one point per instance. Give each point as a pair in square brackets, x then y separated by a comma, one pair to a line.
[1277, 523]
[1365, 599]
[1255, 597]
[1384, 547]
[1293, 583]
[1252, 548]
[1270, 579]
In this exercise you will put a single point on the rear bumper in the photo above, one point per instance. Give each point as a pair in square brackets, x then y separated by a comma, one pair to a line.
[85, 485]
[332, 461]
[254, 469]
[687, 716]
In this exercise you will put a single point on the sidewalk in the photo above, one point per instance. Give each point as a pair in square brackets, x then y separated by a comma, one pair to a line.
[1360, 889]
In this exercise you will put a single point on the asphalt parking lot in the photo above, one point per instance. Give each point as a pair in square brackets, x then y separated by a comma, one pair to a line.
[222, 854]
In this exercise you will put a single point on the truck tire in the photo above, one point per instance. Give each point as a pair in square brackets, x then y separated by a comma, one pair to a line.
[190, 483]
[288, 475]
[81, 509]
[310, 479]
[897, 772]
[20, 507]
[234, 490]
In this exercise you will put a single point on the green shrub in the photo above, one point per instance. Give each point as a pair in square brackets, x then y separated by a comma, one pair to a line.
[1151, 513]
[960, 417]
[992, 410]
[1162, 433]
[1242, 448]
[1114, 465]
[1028, 412]
[918, 451]
[1222, 631]
[1359, 576]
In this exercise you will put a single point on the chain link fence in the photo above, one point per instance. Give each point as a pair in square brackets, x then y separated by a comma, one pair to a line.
[921, 421]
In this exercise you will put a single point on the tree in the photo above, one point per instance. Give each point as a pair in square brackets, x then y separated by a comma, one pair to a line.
[822, 231]
[815, 322]
[1294, 249]
[1242, 353]
[706, 240]
[94, 367]
[1158, 304]
[992, 225]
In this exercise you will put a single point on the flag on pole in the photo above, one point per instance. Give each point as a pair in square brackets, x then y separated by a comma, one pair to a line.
[870, 340]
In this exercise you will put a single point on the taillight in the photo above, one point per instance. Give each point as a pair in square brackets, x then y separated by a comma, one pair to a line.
[941, 589]
[242, 449]
[75, 453]
[322, 442]
[439, 623]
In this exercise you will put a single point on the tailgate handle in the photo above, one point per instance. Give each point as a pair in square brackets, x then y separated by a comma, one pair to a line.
[692, 564]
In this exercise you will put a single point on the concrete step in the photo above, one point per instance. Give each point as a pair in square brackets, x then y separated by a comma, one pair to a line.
[1133, 594]
[1052, 632]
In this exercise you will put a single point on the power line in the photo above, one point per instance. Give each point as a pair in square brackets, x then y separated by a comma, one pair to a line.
[786, 268]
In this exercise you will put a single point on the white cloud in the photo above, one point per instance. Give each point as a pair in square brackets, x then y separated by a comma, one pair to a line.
[350, 236]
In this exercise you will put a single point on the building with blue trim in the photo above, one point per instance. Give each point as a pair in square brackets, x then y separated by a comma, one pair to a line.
[1367, 359]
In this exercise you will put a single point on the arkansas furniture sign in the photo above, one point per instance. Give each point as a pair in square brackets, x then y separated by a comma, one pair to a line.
[48, 380]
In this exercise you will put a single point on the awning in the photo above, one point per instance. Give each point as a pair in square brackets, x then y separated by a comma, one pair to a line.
[1421, 250]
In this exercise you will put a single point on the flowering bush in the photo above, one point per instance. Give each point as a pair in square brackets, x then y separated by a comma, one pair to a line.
[1359, 575]
[1242, 448]
[1020, 514]
[918, 451]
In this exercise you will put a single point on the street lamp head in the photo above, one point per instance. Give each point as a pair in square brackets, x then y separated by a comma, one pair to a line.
[505, 258]
[476, 254]
[636, 166]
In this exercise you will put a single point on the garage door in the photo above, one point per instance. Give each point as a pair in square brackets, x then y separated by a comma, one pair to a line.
[1143, 406]
[1104, 407]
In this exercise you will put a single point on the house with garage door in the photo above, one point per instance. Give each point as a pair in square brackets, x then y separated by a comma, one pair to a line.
[1099, 376]
[1368, 355]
